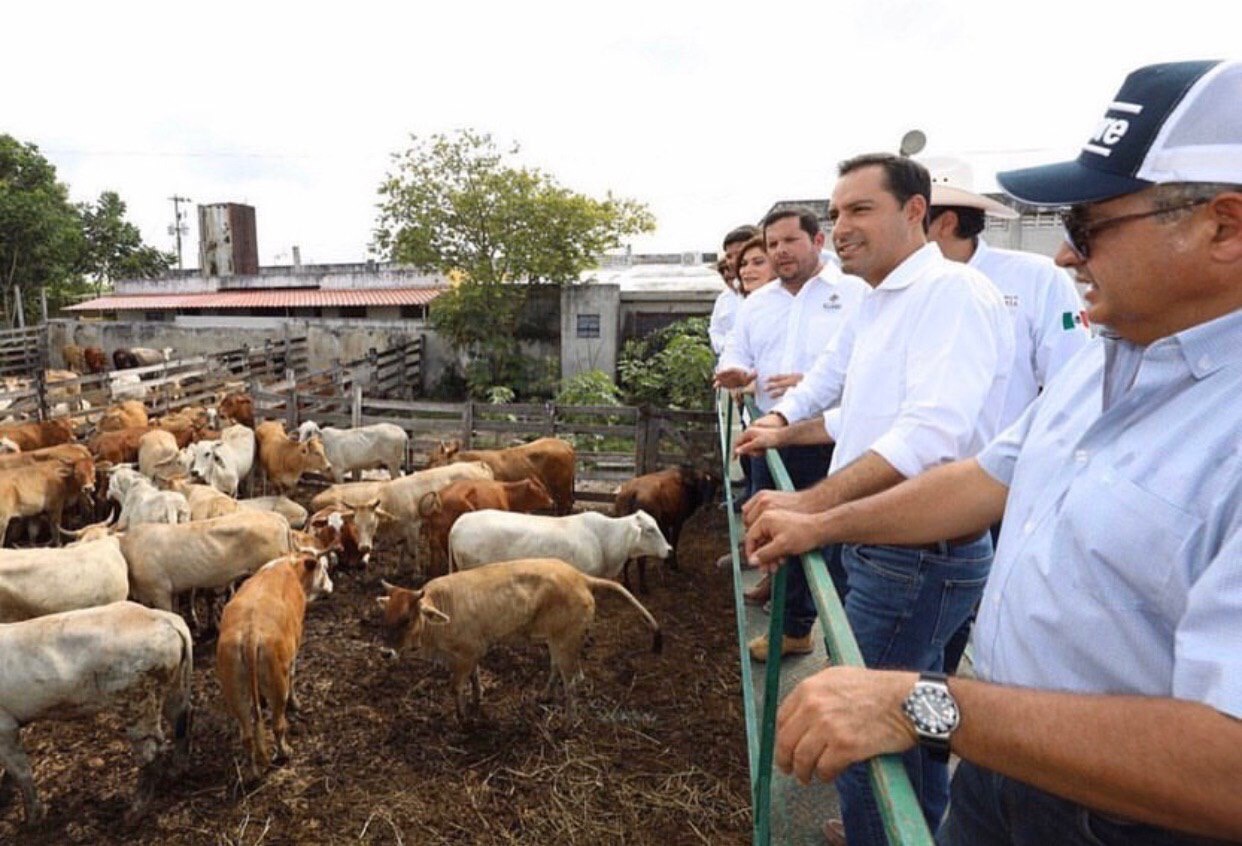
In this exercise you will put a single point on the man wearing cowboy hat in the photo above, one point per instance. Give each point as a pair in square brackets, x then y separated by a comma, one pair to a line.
[1108, 701]
[1041, 298]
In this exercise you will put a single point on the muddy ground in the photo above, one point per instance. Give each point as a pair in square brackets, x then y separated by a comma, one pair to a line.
[378, 757]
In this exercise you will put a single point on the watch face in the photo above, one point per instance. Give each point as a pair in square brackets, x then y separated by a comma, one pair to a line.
[932, 710]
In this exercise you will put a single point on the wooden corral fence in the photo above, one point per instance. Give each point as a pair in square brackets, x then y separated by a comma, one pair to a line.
[165, 387]
[614, 443]
[23, 351]
[394, 372]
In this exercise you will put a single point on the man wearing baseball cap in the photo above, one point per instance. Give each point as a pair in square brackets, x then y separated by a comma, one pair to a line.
[1108, 704]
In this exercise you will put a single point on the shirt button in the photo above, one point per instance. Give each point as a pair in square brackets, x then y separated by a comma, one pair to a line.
[1081, 456]
[1028, 527]
[1205, 362]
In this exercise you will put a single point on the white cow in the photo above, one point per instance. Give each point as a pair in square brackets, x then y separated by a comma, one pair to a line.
[364, 448]
[142, 502]
[597, 545]
[75, 664]
[35, 582]
[127, 386]
[223, 463]
[282, 505]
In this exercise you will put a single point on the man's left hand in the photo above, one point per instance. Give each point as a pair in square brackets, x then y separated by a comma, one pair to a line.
[783, 500]
[776, 386]
[777, 534]
[840, 716]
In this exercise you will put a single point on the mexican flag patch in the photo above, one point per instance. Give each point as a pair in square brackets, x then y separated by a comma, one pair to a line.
[1071, 320]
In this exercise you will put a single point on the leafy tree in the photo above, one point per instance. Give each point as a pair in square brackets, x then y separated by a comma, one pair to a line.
[672, 367]
[40, 231]
[114, 247]
[458, 205]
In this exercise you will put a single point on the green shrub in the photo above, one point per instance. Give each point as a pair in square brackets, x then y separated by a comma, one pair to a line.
[669, 368]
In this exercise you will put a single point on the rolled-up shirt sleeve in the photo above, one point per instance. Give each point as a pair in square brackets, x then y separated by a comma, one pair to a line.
[951, 363]
[999, 457]
[724, 314]
[821, 386]
[737, 352]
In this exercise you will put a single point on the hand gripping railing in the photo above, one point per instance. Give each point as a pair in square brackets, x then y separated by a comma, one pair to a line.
[899, 808]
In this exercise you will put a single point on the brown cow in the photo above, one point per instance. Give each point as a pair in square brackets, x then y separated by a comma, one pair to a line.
[285, 460]
[119, 447]
[459, 616]
[257, 650]
[670, 496]
[44, 488]
[128, 414]
[30, 436]
[75, 358]
[341, 531]
[96, 361]
[69, 452]
[238, 407]
[550, 460]
[441, 509]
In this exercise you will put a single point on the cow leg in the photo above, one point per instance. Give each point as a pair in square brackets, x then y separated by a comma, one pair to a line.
[461, 669]
[475, 691]
[674, 533]
[625, 574]
[4, 528]
[146, 735]
[642, 574]
[17, 766]
[564, 652]
[292, 704]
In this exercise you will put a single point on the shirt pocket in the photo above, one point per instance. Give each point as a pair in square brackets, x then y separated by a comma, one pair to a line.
[1129, 544]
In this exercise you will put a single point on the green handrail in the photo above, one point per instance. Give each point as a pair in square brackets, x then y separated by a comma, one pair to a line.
[899, 808]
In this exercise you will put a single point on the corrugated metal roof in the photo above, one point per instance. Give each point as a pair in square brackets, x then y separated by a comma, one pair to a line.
[272, 298]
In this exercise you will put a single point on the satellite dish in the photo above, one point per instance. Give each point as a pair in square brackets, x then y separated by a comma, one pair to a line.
[913, 142]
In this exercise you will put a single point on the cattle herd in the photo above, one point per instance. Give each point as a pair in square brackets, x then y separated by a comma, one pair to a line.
[169, 510]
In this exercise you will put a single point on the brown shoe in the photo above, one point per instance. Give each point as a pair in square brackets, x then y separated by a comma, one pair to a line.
[760, 593]
[789, 646]
[834, 833]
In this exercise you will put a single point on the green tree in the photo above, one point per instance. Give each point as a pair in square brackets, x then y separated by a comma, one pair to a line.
[669, 368]
[458, 205]
[40, 231]
[113, 246]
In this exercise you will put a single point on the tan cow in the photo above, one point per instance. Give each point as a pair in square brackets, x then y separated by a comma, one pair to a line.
[237, 407]
[68, 452]
[157, 457]
[32, 436]
[284, 460]
[397, 501]
[75, 358]
[168, 559]
[550, 460]
[129, 414]
[282, 505]
[457, 618]
[205, 501]
[75, 664]
[119, 446]
[44, 488]
[257, 650]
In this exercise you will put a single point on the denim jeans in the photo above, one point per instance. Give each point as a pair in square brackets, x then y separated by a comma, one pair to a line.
[904, 605]
[989, 809]
[807, 466]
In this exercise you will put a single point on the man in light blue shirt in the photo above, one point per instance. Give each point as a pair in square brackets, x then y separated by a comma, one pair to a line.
[1109, 702]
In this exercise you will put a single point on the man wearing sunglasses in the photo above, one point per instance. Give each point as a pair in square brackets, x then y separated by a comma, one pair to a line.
[1108, 705]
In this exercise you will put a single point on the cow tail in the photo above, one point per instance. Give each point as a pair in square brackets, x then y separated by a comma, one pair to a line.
[185, 683]
[657, 636]
[253, 657]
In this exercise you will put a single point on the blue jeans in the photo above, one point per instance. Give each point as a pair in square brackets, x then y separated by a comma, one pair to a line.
[989, 809]
[904, 604]
[807, 466]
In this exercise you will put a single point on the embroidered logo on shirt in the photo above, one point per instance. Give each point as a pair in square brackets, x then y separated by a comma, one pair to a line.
[834, 301]
[1011, 300]
[1070, 320]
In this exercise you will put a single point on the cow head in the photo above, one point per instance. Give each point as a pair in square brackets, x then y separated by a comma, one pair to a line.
[367, 518]
[444, 453]
[536, 496]
[8, 446]
[309, 429]
[407, 614]
[700, 486]
[314, 459]
[646, 537]
[311, 567]
[120, 480]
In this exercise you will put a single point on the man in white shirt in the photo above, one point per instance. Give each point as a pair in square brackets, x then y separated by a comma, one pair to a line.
[724, 311]
[920, 371]
[779, 333]
[1041, 299]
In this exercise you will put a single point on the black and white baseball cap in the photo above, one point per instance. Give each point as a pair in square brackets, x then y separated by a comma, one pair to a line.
[1175, 122]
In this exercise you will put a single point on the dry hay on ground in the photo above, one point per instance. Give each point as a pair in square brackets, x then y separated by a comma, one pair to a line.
[659, 756]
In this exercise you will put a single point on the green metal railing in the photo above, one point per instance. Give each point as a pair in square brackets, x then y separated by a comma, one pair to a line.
[899, 808]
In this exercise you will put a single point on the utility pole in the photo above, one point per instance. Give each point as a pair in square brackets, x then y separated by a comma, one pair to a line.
[178, 228]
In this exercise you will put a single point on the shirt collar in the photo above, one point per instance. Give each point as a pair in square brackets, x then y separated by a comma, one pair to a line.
[915, 264]
[1212, 345]
[981, 248]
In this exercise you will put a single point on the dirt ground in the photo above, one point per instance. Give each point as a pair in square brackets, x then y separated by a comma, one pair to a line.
[378, 757]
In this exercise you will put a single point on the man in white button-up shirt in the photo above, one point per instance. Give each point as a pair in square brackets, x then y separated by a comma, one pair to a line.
[1108, 701]
[920, 372]
[780, 331]
[724, 310]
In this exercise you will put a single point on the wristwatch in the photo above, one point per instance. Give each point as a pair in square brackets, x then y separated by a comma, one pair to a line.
[933, 711]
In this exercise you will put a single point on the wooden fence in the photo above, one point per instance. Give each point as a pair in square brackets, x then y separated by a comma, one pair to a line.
[23, 351]
[613, 443]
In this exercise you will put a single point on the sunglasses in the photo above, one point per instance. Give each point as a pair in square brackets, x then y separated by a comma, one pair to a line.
[1079, 230]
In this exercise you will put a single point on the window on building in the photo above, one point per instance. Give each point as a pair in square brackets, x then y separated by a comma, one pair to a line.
[353, 311]
[588, 326]
[413, 312]
[157, 316]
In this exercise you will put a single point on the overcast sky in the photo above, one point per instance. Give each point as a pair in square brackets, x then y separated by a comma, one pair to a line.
[707, 112]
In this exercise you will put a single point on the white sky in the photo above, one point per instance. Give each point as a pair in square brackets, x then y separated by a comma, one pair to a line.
[708, 112]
